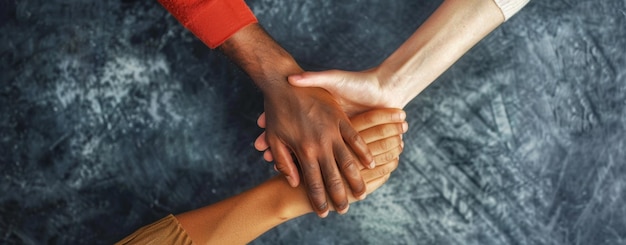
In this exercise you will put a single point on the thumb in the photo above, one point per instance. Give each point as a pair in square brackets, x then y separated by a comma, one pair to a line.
[323, 79]
[285, 164]
[261, 120]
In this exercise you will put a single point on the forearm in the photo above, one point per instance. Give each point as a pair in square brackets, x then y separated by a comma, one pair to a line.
[231, 26]
[242, 218]
[454, 28]
[212, 21]
[261, 57]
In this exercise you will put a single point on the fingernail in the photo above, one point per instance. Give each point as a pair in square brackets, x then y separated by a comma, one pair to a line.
[402, 144]
[372, 164]
[344, 211]
[405, 127]
[276, 169]
[399, 116]
[362, 196]
[324, 214]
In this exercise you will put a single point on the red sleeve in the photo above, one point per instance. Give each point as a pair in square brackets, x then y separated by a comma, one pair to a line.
[212, 21]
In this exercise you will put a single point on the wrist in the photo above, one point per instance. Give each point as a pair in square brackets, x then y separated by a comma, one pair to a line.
[261, 57]
[395, 85]
[272, 76]
[292, 201]
[454, 28]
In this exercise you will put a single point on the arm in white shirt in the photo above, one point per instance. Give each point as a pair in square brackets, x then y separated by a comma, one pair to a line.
[454, 28]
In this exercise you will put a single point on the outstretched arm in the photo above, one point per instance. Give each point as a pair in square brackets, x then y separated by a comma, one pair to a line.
[242, 218]
[454, 28]
[305, 121]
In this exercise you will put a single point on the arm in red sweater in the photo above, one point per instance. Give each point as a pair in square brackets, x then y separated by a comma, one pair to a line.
[327, 149]
[212, 21]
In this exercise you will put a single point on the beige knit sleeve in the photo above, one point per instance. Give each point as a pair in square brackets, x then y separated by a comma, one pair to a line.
[510, 7]
[165, 231]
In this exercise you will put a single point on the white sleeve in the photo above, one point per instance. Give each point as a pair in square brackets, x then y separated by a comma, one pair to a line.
[510, 7]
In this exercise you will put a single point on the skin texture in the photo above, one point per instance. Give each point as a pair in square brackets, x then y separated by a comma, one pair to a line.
[305, 121]
[454, 28]
[244, 217]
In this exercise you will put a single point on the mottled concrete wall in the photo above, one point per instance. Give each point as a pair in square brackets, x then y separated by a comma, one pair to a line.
[112, 115]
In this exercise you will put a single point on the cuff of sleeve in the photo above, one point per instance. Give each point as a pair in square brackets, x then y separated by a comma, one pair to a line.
[510, 7]
[219, 20]
[212, 21]
[165, 231]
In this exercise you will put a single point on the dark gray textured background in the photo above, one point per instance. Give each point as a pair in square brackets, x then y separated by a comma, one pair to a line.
[112, 115]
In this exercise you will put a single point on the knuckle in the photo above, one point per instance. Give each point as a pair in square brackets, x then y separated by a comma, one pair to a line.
[335, 186]
[353, 137]
[397, 151]
[388, 156]
[317, 196]
[383, 171]
[387, 130]
[309, 169]
[380, 130]
[347, 164]
[389, 167]
[308, 149]
[317, 191]
[369, 118]
[384, 144]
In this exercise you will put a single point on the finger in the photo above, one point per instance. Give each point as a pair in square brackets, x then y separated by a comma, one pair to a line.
[376, 183]
[377, 180]
[384, 145]
[388, 156]
[267, 155]
[383, 131]
[314, 185]
[376, 117]
[260, 144]
[379, 171]
[334, 184]
[261, 121]
[357, 144]
[350, 170]
[323, 79]
[372, 185]
[285, 164]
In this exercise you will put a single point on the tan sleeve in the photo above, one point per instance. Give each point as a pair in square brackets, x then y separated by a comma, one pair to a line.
[510, 7]
[165, 231]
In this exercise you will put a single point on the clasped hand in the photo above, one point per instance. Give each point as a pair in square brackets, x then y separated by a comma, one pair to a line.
[311, 124]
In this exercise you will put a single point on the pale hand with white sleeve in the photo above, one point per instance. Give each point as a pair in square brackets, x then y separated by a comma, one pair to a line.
[510, 7]
[454, 28]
